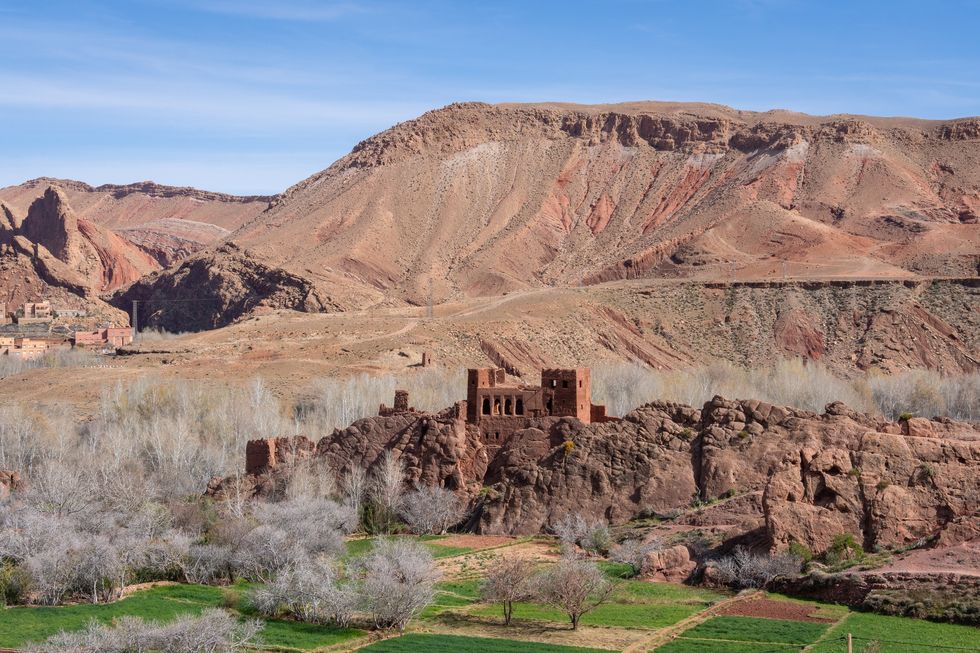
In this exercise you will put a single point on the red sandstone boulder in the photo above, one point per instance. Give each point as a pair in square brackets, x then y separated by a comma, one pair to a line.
[10, 481]
[673, 564]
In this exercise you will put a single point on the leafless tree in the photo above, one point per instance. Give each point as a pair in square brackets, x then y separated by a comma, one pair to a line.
[746, 569]
[575, 586]
[213, 631]
[634, 553]
[61, 489]
[431, 510]
[310, 591]
[386, 489]
[509, 580]
[399, 578]
[354, 488]
[206, 563]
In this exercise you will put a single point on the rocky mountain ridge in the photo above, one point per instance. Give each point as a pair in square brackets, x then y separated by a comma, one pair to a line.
[483, 199]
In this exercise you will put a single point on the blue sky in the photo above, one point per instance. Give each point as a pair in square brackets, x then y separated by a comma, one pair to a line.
[250, 97]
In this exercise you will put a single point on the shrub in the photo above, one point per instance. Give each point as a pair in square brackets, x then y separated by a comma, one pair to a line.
[801, 551]
[634, 553]
[882, 484]
[573, 529]
[844, 548]
[906, 416]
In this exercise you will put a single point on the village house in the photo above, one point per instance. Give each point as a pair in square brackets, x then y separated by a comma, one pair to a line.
[35, 313]
[5, 317]
[104, 337]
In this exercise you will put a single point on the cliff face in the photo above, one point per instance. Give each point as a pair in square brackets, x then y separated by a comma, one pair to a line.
[482, 199]
[87, 255]
[818, 476]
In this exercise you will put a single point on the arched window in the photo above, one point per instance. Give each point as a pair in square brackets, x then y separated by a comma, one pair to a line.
[550, 406]
[496, 406]
[520, 406]
[486, 405]
[508, 406]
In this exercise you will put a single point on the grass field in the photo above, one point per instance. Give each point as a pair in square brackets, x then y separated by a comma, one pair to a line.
[901, 635]
[21, 625]
[753, 629]
[707, 646]
[635, 604]
[457, 644]
[361, 547]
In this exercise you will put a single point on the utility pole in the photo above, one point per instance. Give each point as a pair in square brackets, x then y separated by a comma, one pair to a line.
[135, 320]
[429, 311]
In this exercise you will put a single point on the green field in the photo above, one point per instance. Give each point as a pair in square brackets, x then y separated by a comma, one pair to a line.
[901, 635]
[753, 629]
[361, 547]
[21, 625]
[708, 646]
[635, 604]
[457, 644]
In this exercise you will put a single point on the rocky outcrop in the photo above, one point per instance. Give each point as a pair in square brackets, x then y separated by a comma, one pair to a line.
[10, 481]
[51, 223]
[214, 288]
[819, 476]
[673, 564]
[69, 251]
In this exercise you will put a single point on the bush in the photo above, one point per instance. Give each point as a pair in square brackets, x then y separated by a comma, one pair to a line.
[801, 551]
[592, 535]
[634, 553]
[844, 548]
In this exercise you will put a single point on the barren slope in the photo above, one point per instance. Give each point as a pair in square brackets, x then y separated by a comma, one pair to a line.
[480, 200]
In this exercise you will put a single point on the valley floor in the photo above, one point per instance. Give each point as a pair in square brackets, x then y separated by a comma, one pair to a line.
[641, 616]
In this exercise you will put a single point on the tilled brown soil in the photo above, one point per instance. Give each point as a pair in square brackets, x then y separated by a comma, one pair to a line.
[772, 609]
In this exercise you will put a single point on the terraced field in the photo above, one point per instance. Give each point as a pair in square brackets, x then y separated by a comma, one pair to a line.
[641, 617]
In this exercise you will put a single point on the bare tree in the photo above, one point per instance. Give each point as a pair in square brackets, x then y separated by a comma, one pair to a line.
[634, 553]
[310, 591]
[213, 631]
[746, 569]
[508, 580]
[399, 580]
[387, 490]
[61, 489]
[574, 586]
[431, 510]
[354, 487]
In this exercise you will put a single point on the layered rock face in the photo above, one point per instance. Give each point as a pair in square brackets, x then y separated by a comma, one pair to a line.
[484, 199]
[819, 476]
[214, 288]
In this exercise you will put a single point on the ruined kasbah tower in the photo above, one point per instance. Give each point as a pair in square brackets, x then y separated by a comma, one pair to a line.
[499, 408]
[495, 409]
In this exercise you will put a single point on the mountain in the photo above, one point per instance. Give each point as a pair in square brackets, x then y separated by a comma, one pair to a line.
[67, 241]
[480, 199]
